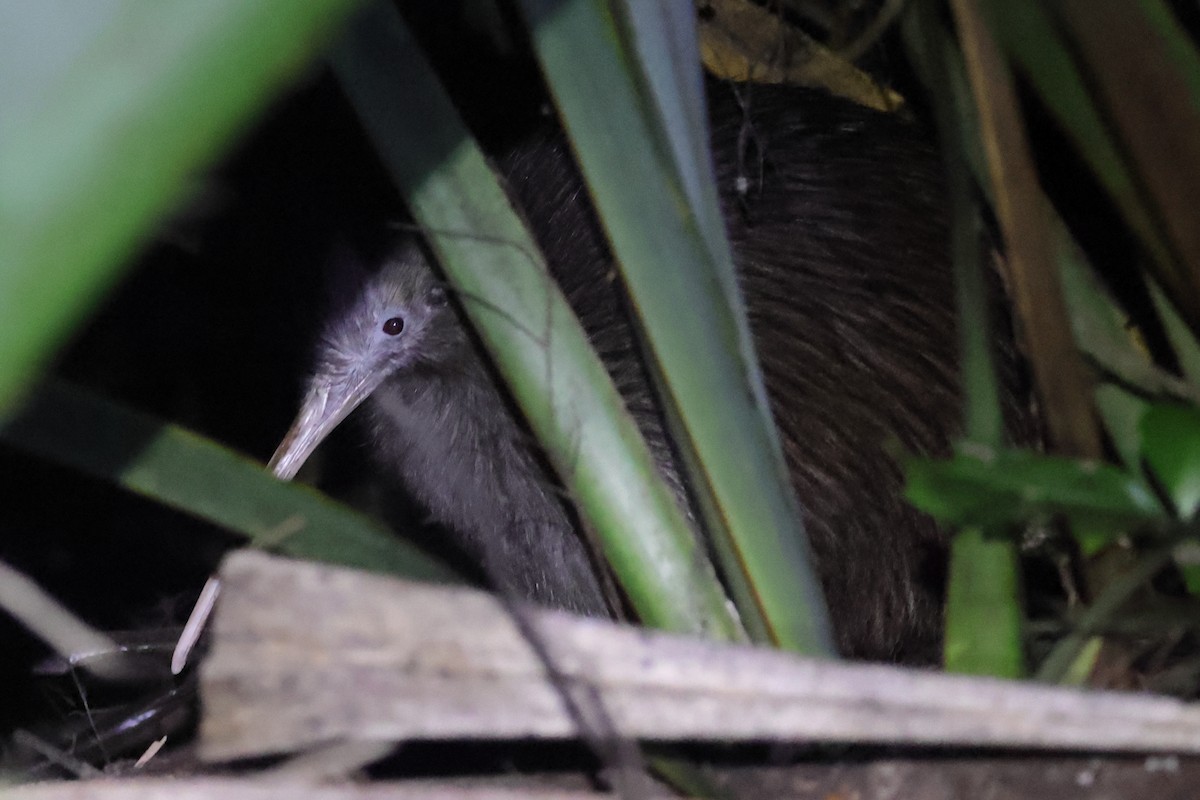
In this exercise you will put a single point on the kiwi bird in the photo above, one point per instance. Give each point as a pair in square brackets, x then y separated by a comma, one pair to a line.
[836, 218]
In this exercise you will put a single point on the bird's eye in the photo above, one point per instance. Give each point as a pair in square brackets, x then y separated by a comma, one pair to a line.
[393, 326]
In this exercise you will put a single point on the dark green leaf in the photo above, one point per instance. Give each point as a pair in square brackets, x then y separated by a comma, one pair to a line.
[1171, 446]
[178, 468]
[980, 486]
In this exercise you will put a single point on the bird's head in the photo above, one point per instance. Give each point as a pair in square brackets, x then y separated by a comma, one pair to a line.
[383, 323]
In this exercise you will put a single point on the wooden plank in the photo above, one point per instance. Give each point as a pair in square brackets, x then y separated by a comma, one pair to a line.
[948, 777]
[304, 654]
[251, 789]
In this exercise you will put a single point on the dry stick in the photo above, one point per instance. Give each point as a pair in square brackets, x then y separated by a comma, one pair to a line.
[1062, 382]
[620, 755]
[81, 769]
[197, 622]
[55, 625]
[1115, 595]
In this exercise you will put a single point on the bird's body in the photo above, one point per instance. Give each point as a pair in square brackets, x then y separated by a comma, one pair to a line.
[841, 245]
[452, 442]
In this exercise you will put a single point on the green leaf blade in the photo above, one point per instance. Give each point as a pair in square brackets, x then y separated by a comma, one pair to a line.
[682, 287]
[993, 488]
[1171, 446]
[100, 146]
[180, 469]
